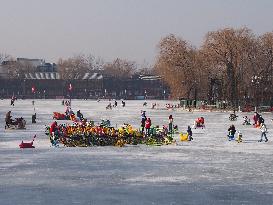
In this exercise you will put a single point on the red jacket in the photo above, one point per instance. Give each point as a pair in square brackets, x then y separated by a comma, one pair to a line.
[148, 124]
[53, 127]
[255, 118]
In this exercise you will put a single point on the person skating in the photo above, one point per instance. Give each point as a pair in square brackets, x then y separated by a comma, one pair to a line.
[256, 118]
[79, 115]
[8, 119]
[109, 106]
[123, 103]
[12, 101]
[260, 120]
[33, 118]
[170, 124]
[116, 103]
[246, 120]
[54, 129]
[143, 120]
[263, 132]
[189, 131]
[232, 132]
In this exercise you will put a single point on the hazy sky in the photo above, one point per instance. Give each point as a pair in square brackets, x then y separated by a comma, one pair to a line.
[130, 29]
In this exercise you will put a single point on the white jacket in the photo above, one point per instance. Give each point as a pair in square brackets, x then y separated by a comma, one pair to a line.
[263, 128]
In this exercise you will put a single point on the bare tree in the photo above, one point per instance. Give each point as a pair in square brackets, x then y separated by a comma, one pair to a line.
[120, 68]
[261, 64]
[227, 49]
[72, 68]
[146, 69]
[94, 63]
[12, 67]
[176, 63]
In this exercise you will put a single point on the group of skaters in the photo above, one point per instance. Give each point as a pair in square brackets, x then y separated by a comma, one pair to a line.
[258, 123]
[66, 102]
[146, 124]
[110, 105]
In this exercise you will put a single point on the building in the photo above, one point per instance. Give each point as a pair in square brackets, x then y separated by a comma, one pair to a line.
[47, 82]
[87, 86]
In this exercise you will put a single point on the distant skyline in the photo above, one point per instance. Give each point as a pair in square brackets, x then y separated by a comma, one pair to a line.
[130, 29]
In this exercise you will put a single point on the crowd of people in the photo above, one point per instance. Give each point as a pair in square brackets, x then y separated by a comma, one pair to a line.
[146, 126]
[258, 123]
[88, 134]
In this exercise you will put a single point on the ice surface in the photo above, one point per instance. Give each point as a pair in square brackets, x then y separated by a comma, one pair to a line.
[208, 170]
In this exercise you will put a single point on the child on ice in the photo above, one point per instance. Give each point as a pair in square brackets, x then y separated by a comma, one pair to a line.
[264, 131]
[189, 131]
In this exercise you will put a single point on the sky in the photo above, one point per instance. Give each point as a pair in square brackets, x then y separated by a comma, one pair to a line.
[128, 29]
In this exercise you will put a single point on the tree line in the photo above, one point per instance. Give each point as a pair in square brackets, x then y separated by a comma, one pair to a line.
[78, 65]
[234, 65]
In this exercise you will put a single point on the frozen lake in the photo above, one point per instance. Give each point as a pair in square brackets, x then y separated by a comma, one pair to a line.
[208, 170]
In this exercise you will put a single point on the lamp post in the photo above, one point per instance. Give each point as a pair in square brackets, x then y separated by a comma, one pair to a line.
[33, 91]
[145, 94]
[24, 88]
[70, 93]
[164, 92]
[44, 94]
[255, 80]
[125, 93]
[105, 91]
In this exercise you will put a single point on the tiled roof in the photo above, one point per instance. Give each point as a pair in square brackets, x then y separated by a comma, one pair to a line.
[56, 76]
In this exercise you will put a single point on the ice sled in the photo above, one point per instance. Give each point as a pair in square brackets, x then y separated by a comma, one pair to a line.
[233, 117]
[198, 126]
[19, 123]
[183, 137]
[59, 116]
[24, 145]
[199, 123]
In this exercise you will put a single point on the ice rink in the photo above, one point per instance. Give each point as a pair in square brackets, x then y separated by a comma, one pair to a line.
[208, 170]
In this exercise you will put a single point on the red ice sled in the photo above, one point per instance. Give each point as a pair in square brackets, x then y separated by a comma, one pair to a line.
[59, 116]
[27, 144]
